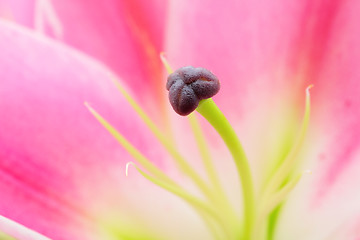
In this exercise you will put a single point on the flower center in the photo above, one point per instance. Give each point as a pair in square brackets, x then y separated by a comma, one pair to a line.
[189, 89]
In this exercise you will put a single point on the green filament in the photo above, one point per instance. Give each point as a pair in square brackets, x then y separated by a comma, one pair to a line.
[273, 201]
[168, 145]
[133, 151]
[220, 197]
[208, 109]
[290, 161]
[281, 183]
[202, 207]
[204, 152]
[161, 179]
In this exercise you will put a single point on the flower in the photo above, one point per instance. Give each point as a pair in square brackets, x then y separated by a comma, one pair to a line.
[63, 176]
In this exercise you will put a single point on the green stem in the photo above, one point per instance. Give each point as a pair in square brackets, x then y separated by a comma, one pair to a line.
[208, 109]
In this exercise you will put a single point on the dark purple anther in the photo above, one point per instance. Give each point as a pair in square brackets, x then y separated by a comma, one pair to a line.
[188, 85]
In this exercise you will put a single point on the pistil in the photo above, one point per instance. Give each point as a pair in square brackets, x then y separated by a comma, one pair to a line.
[209, 110]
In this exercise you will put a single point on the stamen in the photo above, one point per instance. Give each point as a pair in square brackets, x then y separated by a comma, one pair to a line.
[166, 63]
[204, 209]
[127, 168]
[162, 180]
[146, 163]
[290, 161]
[271, 202]
[45, 13]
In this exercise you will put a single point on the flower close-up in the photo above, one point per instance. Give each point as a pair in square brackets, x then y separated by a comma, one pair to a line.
[179, 119]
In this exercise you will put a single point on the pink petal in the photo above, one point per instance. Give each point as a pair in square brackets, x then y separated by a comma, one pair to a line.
[248, 44]
[20, 11]
[127, 36]
[333, 199]
[338, 102]
[61, 172]
[18, 231]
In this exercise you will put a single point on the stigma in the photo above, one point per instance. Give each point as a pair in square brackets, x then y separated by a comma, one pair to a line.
[188, 85]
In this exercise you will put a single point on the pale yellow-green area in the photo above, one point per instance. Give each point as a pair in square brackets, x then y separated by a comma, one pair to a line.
[4, 236]
[115, 229]
[206, 210]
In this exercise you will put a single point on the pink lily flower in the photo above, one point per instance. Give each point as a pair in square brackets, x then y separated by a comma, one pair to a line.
[62, 174]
